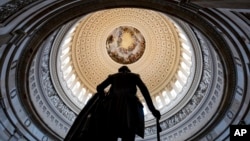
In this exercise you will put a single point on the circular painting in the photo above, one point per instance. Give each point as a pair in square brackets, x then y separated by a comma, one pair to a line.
[125, 45]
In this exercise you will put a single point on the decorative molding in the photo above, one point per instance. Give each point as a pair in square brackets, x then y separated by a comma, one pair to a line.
[12, 7]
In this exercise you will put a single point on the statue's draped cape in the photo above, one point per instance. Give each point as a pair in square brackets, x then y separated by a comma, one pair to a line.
[95, 119]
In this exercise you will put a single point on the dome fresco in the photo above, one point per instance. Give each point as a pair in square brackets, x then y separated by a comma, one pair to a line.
[125, 45]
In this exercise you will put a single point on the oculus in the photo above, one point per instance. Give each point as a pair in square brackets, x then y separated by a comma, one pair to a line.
[125, 45]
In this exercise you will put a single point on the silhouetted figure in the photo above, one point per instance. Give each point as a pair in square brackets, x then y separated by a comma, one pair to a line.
[115, 114]
[125, 117]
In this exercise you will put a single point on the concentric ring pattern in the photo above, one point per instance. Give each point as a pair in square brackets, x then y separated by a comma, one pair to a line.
[166, 58]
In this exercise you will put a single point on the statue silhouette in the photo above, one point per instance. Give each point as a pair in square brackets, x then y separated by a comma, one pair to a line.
[115, 114]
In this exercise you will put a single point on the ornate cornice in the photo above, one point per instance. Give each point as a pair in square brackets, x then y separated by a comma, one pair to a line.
[11, 7]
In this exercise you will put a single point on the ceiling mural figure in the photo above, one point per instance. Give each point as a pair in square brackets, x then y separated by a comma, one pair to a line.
[125, 45]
